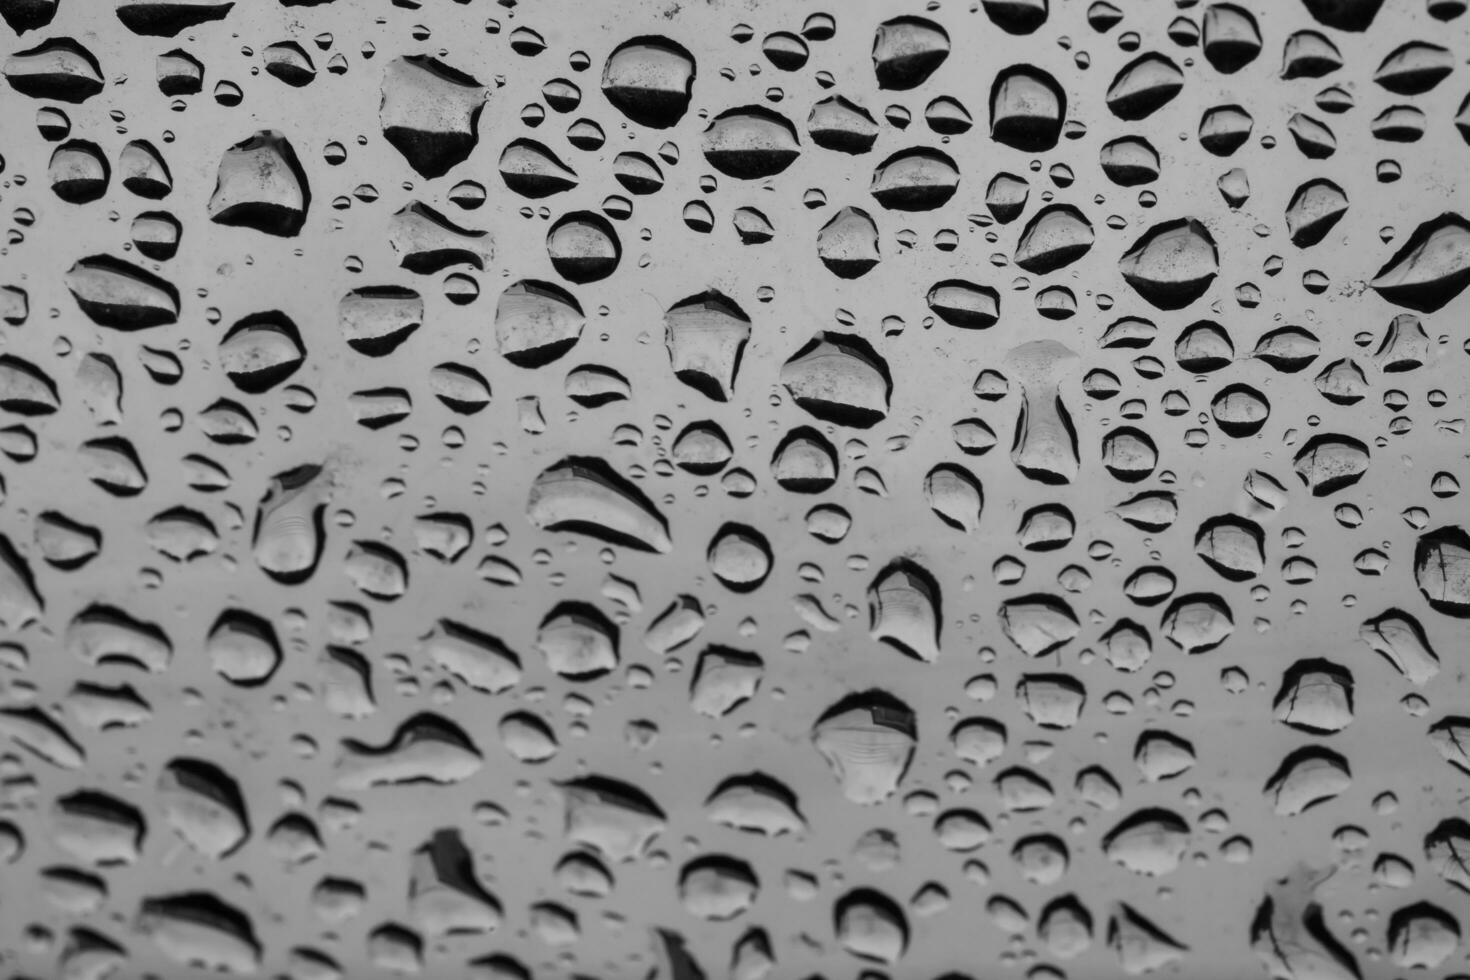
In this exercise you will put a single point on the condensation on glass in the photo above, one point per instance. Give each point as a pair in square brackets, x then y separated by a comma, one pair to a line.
[711, 489]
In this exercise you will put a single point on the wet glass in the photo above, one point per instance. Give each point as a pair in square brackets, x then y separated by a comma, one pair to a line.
[656, 490]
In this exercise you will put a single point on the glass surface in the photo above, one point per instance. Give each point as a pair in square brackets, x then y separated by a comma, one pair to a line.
[625, 490]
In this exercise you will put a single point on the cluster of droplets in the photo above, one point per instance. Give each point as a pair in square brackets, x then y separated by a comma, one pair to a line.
[658, 659]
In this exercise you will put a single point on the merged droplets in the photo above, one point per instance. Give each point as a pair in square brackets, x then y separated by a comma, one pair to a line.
[1148, 842]
[1316, 696]
[478, 659]
[1045, 444]
[724, 679]
[706, 336]
[20, 603]
[200, 929]
[753, 227]
[904, 610]
[289, 535]
[106, 635]
[1232, 546]
[578, 641]
[1038, 624]
[955, 496]
[1139, 945]
[444, 896]
[615, 819]
[430, 113]
[118, 294]
[203, 805]
[868, 741]
[717, 888]
[1306, 778]
[260, 185]
[1400, 639]
[585, 495]
[1289, 934]
[63, 543]
[425, 748]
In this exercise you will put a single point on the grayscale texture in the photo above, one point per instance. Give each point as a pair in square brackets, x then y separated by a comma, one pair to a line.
[573, 489]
